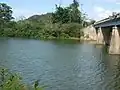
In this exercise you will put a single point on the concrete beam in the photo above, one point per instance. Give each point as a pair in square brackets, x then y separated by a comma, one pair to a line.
[100, 37]
[115, 42]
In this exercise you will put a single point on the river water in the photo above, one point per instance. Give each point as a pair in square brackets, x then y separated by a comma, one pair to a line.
[61, 65]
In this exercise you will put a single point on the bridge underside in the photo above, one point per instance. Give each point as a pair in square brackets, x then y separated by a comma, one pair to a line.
[108, 33]
[110, 36]
[109, 23]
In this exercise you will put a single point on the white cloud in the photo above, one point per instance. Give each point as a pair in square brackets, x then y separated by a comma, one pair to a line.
[114, 1]
[98, 9]
[20, 13]
[102, 13]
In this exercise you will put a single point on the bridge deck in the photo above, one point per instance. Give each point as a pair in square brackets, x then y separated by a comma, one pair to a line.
[110, 21]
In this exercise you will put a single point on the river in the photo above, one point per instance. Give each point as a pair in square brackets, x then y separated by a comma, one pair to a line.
[61, 65]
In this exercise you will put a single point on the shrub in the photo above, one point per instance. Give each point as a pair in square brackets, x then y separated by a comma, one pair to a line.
[9, 81]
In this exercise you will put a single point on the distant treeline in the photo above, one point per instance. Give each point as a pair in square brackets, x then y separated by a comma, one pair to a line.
[65, 22]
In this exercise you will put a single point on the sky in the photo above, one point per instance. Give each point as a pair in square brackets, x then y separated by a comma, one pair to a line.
[95, 9]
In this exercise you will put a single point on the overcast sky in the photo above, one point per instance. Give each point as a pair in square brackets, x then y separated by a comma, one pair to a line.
[96, 9]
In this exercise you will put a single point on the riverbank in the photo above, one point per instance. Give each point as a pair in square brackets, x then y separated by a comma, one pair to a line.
[71, 38]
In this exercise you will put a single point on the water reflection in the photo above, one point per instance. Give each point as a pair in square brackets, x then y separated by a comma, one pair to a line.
[4, 49]
[112, 73]
[62, 65]
[116, 80]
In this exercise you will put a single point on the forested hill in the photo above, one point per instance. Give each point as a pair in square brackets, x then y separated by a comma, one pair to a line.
[46, 18]
[64, 23]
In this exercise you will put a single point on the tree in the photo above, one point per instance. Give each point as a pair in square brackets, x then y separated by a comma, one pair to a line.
[75, 12]
[5, 14]
[70, 14]
[92, 21]
[61, 15]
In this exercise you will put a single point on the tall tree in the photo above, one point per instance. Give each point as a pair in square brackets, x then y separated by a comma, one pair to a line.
[61, 15]
[68, 14]
[5, 14]
[75, 12]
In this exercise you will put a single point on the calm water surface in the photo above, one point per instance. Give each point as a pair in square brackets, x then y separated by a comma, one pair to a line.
[61, 65]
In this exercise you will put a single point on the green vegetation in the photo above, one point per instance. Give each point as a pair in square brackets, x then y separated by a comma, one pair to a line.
[64, 23]
[9, 81]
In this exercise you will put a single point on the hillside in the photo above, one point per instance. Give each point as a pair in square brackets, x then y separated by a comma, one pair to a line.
[46, 18]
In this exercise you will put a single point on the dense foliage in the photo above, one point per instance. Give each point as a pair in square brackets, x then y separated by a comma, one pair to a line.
[65, 22]
[5, 14]
[68, 14]
[9, 81]
[41, 31]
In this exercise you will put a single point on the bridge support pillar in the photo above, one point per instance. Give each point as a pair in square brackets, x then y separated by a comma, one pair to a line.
[100, 38]
[115, 42]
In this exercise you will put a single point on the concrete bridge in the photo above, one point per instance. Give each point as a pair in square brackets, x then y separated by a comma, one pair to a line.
[108, 33]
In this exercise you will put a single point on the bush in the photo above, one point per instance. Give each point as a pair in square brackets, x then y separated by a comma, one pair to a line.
[72, 29]
[28, 29]
[9, 81]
